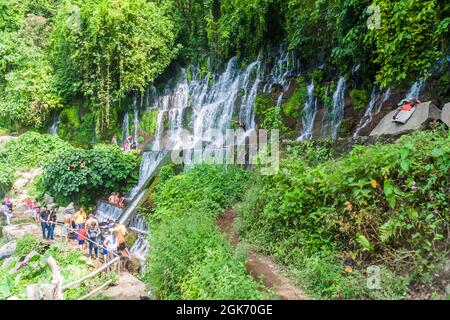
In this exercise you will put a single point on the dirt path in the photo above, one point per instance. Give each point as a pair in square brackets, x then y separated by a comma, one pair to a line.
[260, 267]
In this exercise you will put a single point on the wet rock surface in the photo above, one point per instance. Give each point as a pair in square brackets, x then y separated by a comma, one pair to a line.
[425, 112]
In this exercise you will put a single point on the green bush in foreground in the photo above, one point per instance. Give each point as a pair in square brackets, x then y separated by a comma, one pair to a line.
[190, 259]
[383, 204]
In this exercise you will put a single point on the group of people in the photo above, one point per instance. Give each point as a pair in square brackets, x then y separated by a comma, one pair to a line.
[88, 233]
[115, 200]
[48, 220]
[7, 209]
[129, 144]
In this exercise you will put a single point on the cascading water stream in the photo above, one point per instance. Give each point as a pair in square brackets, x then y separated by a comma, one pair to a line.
[415, 90]
[135, 119]
[338, 106]
[374, 107]
[55, 125]
[309, 114]
[125, 127]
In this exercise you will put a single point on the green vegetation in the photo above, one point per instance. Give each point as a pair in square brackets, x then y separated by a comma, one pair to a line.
[82, 176]
[72, 263]
[294, 106]
[384, 205]
[190, 259]
[54, 54]
[360, 98]
[268, 113]
[32, 150]
[149, 122]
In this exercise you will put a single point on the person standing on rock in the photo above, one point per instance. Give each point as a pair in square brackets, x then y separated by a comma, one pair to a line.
[7, 213]
[122, 233]
[93, 231]
[44, 217]
[67, 226]
[52, 220]
[80, 219]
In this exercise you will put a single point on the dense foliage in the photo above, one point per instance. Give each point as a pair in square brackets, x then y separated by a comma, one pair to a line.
[83, 176]
[190, 259]
[104, 49]
[54, 54]
[384, 204]
[32, 150]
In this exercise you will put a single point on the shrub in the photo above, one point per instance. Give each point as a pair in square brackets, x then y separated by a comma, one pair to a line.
[33, 150]
[360, 98]
[190, 259]
[294, 106]
[383, 202]
[84, 175]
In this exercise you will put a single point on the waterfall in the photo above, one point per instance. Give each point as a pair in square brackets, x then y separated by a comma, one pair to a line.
[197, 104]
[284, 68]
[140, 250]
[309, 114]
[376, 102]
[139, 224]
[105, 212]
[55, 125]
[338, 106]
[126, 127]
[150, 161]
[415, 90]
[135, 119]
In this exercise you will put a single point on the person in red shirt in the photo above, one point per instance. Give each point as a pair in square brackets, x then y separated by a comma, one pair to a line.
[82, 234]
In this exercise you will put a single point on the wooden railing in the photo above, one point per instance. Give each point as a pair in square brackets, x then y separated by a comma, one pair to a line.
[55, 290]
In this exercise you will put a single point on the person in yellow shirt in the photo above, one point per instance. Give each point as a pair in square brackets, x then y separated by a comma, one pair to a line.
[80, 219]
[121, 236]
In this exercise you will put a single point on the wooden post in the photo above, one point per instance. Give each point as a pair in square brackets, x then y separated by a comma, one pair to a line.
[56, 279]
[67, 286]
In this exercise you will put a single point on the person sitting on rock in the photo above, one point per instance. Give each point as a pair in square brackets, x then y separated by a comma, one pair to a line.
[405, 110]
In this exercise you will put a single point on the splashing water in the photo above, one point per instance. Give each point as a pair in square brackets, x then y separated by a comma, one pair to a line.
[309, 116]
[415, 90]
[55, 125]
[374, 107]
[338, 106]
[126, 127]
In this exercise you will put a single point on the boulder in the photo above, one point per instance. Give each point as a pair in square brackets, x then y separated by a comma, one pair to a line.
[49, 199]
[7, 250]
[445, 115]
[425, 112]
[19, 230]
[70, 209]
[20, 207]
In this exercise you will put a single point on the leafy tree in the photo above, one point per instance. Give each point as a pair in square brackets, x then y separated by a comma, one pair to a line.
[26, 78]
[411, 38]
[103, 49]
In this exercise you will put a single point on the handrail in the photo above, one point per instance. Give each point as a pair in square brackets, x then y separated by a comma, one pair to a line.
[93, 292]
[75, 231]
